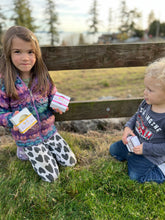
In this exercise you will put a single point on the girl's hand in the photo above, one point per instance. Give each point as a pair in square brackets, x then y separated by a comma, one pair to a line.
[15, 127]
[60, 112]
[138, 149]
[126, 133]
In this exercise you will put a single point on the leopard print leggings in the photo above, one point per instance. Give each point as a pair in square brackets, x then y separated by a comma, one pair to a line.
[44, 157]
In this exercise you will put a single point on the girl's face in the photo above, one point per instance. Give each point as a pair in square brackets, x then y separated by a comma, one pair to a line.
[22, 56]
[154, 94]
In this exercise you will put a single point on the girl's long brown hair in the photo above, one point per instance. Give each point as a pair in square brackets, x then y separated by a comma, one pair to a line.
[9, 71]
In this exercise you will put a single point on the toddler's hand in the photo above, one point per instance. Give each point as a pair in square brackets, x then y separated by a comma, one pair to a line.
[126, 133]
[138, 149]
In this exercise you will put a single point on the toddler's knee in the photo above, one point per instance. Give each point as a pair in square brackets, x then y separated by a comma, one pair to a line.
[133, 176]
[112, 150]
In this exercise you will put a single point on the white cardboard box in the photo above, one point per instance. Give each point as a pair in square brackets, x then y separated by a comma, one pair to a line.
[60, 101]
[132, 142]
[24, 120]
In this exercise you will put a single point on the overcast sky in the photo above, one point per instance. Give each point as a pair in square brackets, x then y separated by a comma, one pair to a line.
[73, 14]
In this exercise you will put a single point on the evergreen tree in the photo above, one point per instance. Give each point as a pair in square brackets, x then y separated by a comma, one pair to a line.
[151, 17]
[93, 20]
[52, 20]
[157, 29]
[162, 29]
[154, 29]
[123, 17]
[81, 39]
[128, 19]
[110, 20]
[22, 15]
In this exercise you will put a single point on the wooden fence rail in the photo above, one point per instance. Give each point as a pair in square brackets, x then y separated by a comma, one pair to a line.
[101, 56]
[100, 109]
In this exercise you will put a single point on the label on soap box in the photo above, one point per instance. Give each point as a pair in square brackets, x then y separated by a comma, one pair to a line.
[24, 120]
[133, 141]
[60, 101]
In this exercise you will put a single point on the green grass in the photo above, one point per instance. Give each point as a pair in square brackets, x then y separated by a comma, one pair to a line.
[93, 84]
[98, 187]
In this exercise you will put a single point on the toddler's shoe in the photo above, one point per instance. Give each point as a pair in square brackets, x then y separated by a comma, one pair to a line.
[21, 154]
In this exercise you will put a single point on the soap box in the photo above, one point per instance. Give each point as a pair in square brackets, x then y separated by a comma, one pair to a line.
[60, 101]
[24, 120]
[133, 141]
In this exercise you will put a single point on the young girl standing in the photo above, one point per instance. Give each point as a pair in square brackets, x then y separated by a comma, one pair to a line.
[25, 82]
[147, 161]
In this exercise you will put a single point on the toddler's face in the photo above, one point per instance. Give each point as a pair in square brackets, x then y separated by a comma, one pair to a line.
[154, 93]
[22, 55]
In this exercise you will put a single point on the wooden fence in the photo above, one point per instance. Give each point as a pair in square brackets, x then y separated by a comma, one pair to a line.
[101, 56]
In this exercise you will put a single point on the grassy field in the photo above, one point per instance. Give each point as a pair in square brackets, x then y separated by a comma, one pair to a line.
[98, 187]
[93, 84]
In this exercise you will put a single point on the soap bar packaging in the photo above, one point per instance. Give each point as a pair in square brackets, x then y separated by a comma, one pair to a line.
[60, 101]
[24, 120]
[132, 142]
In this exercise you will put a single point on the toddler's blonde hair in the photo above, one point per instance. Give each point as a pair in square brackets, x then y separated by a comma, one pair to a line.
[156, 70]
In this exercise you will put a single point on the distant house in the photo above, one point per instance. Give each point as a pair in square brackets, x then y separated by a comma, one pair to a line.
[117, 37]
[132, 39]
[107, 38]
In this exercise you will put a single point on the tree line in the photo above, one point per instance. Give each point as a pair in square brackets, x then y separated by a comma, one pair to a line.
[129, 20]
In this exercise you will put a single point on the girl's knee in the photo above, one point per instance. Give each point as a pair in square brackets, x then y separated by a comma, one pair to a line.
[51, 176]
[69, 161]
[72, 162]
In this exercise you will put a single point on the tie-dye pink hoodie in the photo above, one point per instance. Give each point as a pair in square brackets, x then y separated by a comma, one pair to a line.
[38, 105]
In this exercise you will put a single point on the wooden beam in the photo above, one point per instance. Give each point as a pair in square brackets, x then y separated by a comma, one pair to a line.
[100, 109]
[102, 56]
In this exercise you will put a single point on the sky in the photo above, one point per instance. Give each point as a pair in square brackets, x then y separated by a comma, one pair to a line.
[73, 14]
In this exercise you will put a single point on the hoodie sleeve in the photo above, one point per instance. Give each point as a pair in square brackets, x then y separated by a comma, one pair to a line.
[156, 150]
[52, 92]
[132, 121]
[5, 113]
